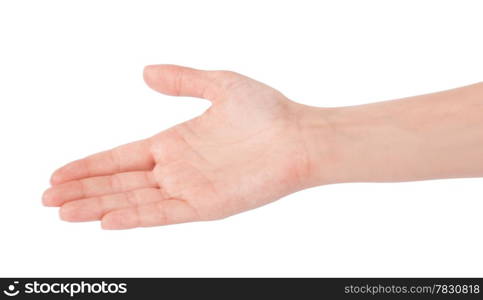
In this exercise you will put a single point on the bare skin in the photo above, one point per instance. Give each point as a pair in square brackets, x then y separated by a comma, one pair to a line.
[254, 146]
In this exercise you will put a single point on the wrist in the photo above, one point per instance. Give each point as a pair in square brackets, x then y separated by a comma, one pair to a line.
[320, 131]
[345, 144]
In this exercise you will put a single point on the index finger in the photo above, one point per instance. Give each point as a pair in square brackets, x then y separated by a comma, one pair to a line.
[134, 156]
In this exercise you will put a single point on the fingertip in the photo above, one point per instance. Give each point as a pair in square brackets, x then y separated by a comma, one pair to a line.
[61, 174]
[51, 198]
[47, 198]
[65, 213]
[116, 220]
[70, 171]
[149, 74]
[107, 226]
[56, 178]
[149, 68]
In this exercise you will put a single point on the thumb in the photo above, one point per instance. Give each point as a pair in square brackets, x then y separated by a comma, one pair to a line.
[182, 81]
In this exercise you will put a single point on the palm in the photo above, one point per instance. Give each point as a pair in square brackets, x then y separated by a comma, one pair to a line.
[241, 153]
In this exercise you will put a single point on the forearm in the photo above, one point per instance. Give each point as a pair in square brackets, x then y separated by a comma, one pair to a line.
[431, 136]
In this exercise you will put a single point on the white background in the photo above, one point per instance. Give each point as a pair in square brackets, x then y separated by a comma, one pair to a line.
[71, 85]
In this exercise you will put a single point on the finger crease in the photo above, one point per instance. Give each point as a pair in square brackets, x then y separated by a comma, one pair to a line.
[162, 213]
[101, 203]
[132, 198]
[86, 167]
[137, 213]
[179, 83]
[82, 189]
[150, 180]
[116, 159]
[116, 184]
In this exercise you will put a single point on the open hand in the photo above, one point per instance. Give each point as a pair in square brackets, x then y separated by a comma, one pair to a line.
[245, 151]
